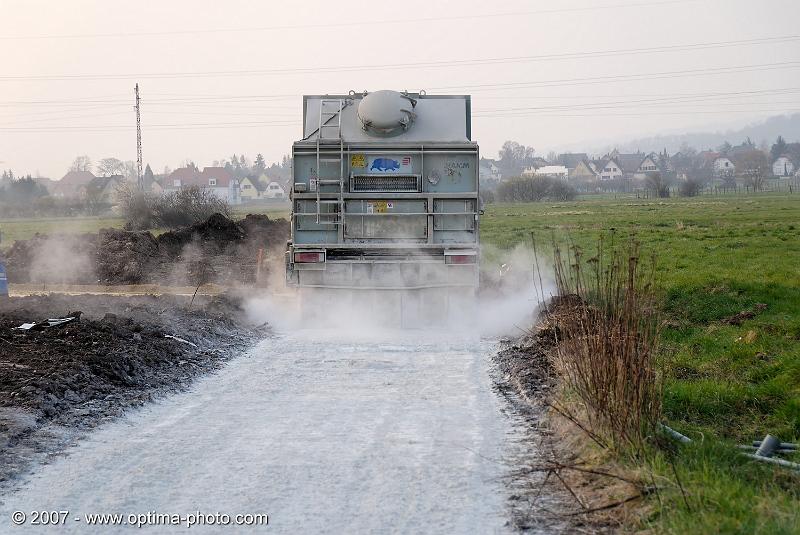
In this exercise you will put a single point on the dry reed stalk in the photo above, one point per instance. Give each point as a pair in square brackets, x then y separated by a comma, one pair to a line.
[609, 328]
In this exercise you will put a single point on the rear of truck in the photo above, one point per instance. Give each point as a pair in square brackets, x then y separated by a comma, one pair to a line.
[385, 206]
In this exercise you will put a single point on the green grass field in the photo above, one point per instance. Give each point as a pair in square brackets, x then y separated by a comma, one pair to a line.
[725, 384]
[23, 229]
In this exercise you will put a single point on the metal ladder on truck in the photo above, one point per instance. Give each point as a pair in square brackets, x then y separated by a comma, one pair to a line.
[329, 134]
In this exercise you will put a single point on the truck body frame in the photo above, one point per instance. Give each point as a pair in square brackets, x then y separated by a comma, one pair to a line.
[384, 213]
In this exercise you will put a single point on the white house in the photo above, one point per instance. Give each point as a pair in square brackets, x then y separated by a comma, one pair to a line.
[609, 169]
[555, 171]
[649, 164]
[723, 167]
[217, 180]
[488, 171]
[274, 191]
[783, 166]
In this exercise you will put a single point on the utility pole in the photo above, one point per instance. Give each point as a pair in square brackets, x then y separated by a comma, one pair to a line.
[139, 176]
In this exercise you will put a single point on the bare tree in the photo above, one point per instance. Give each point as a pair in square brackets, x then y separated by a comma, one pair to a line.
[130, 171]
[81, 163]
[93, 199]
[110, 166]
[658, 184]
[514, 157]
[753, 167]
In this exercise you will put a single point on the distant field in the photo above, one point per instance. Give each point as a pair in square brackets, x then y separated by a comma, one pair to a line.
[23, 229]
[274, 210]
[725, 384]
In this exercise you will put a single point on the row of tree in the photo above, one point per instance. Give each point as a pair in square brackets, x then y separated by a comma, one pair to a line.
[20, 190]
[239, 166]
[105, 167]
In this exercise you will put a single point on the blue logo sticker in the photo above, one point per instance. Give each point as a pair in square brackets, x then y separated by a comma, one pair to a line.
[384, 164]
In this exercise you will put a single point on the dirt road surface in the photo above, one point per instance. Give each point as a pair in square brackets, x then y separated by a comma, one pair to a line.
[393, 434]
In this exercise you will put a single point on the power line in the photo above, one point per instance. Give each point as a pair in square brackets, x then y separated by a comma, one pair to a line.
[203, 103]
[688, 100]
[509, 112]
[285, 123]
[703, 99]
[342, 24]
[637, 114]
[61, 117]
[621, 77]
[685, 100]
[415, 65]
[118, 127]
[226, 100]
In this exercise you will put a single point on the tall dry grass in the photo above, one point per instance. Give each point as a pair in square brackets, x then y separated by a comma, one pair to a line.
[609, 330]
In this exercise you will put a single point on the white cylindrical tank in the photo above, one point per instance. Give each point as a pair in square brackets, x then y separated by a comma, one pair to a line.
[386, 113]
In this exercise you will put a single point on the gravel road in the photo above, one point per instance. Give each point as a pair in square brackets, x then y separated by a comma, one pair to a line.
[400, 433]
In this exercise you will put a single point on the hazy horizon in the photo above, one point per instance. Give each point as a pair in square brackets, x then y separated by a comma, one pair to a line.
[224, 78]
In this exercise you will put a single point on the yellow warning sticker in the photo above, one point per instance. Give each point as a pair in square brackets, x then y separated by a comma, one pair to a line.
[378, 207]
[358, 160]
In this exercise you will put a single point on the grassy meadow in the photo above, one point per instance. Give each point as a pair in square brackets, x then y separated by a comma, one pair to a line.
[726, 382]
[24, 229]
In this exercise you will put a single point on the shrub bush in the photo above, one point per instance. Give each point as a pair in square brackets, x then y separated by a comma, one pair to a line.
[532, 189]
[171, 210]
[690, 188]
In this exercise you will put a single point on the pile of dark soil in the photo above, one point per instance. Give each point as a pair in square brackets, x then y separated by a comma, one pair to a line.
[125, 257]
[217, 250]
[217, 235]
[270, 233]
[222, 251]
[119, 353]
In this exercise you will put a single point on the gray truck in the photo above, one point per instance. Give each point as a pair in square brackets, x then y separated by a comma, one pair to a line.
[385, 204]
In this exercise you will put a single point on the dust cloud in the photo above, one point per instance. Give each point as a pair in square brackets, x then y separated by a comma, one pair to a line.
[511, 291]
[61, 259]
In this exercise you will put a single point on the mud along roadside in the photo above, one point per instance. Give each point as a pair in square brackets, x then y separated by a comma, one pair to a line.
[121, 352]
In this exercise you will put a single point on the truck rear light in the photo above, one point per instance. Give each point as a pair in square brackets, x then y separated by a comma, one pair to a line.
[460, 259]
[309, 258]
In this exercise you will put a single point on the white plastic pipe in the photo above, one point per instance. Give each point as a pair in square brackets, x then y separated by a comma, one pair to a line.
[781, 462]
[768, 446]
[675, 434]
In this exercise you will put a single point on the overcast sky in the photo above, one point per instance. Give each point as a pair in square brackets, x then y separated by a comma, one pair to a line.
[218, 78]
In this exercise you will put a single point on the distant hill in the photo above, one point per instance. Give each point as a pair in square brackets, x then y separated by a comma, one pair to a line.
[787, 126]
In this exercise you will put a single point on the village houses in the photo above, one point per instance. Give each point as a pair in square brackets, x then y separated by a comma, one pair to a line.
[217, 180]
[554, 171]
[72, 185]
[254, 189]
